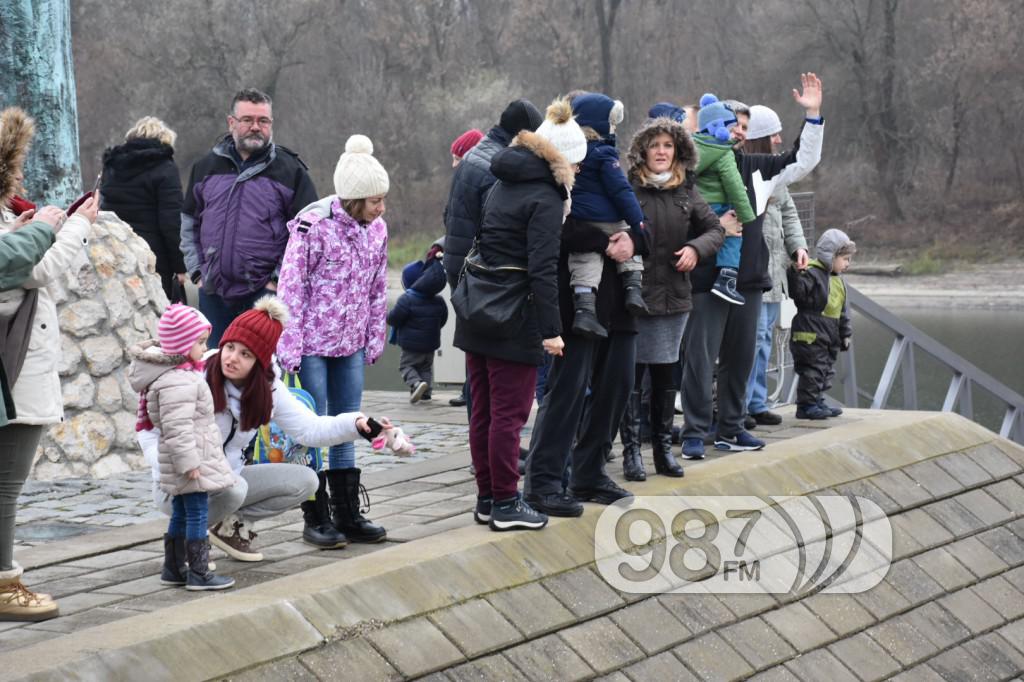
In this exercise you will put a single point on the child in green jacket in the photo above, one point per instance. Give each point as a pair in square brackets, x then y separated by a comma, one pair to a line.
[720, 183]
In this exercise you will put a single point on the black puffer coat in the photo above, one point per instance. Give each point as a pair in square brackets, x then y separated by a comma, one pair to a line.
[141, 185]
[674, 218]
[472, 180]
[522, 226]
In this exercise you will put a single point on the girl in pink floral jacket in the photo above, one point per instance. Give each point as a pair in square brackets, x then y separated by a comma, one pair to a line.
[334, 282]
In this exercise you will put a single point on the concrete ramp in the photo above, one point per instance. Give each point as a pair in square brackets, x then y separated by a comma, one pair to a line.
[467, 603]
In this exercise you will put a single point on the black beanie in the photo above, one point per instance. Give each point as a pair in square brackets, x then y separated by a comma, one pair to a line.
[519, 115]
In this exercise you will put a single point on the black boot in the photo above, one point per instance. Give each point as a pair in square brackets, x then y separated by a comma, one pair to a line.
[584, 321]
[319, 531]
[200, 577]
[348, 516]
[629, 432]
[174, 572]
[662, 413]
[632, 282]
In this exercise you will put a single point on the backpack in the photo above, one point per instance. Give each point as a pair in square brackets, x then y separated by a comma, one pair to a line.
[273, 446]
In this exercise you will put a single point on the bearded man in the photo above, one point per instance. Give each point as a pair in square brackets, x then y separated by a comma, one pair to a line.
[239, 200]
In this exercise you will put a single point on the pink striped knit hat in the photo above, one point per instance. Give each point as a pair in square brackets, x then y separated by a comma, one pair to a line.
[179, 328]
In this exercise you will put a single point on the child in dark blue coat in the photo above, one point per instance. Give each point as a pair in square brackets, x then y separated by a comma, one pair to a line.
[603, 197]
[416, 322]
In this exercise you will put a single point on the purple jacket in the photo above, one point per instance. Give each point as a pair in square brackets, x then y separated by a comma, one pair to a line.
[233, 222]
[334, 282]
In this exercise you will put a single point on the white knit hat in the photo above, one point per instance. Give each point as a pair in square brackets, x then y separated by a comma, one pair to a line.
[358, 175]
[763, 122]
[560, 128]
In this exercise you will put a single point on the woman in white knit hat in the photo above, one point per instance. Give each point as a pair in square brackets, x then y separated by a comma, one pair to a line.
[334, 281]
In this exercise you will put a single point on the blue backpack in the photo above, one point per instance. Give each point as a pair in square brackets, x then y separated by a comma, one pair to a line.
[273, 446]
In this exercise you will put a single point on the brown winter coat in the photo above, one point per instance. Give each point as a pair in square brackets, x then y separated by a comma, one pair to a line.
[674, 217]
[180, 405]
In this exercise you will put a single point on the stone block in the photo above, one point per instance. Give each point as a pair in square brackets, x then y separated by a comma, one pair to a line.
[532, 609]
[914, 531]
[841, 612]
[109, 465]
[712, 658]
[938, 625]
[70, 356]
[1009, 493]
[979, 559]
[83, 620]
[898, 486]
[864, 655]
[759, 644]
[882, 601]
[548, 658]
[602, 645]
[664, 666]
[940, 566]
[697, 612]
[933, 478]
[354, 658]
[985, 507]
[1001, 596]
[954, 517]
[800, 626]
[79, 393]
[119, 306]
[82, 318]
[651, 625]
[820, 665]
[1001, 659]
[866, 489]
[901, 641]
[777, 674]
[583, 592]
[102, 354]
[971, 610]
[920, 673]
[108, 394]
[958, 664]
[476, 627]
[495, 667]
[964, 469]
[912, 582]
[432, 650]
[286, 670]
[88, 436]
[1004, 544]
[994, 461]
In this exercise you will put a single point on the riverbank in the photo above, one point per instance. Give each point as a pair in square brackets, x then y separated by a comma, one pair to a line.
[994, 286]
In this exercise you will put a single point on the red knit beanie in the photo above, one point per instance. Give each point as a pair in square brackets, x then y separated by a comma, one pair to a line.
[259, 329]
[466, 141]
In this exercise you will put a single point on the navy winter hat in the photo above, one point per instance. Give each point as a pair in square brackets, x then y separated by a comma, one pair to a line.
[667, 110]
[598, 111]
[520, 115]
[715, 117]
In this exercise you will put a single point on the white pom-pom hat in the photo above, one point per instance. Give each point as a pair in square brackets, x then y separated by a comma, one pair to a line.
[358, 174]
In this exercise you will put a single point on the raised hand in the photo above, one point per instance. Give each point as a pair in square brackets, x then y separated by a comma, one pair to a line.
[809, 96]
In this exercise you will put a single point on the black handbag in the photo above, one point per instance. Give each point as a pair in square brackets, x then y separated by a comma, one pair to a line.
[492, 300]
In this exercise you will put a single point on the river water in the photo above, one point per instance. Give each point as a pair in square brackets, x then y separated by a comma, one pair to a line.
[993, 340]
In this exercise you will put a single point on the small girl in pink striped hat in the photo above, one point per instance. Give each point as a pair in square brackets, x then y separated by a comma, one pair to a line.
[175, 401]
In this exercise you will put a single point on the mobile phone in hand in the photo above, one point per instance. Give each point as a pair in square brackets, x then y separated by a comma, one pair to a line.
[82, 199]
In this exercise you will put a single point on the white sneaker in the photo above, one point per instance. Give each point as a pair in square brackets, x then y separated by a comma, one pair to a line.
[418, 391]
[679, 402]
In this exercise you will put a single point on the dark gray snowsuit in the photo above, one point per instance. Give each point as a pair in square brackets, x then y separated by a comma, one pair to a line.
[822, 321]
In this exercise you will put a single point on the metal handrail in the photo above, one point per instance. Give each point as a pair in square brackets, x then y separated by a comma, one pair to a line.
[966, 377]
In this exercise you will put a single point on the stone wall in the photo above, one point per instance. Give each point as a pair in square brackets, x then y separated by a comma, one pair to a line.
[109, 299]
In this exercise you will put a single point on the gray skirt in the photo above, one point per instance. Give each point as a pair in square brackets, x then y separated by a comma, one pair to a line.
[658, 338]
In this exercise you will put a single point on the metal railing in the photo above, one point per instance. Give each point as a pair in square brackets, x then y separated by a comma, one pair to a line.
[900, 369]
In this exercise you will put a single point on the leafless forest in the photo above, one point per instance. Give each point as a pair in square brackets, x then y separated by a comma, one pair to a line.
[924, 147]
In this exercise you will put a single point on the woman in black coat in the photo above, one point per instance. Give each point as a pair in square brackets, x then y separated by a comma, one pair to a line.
[141, 185]
[520, 231]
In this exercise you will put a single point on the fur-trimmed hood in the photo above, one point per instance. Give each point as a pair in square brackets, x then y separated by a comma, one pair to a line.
[530, 158]
[16, 131]
[686, 151]
[137, 155]
[149, 363]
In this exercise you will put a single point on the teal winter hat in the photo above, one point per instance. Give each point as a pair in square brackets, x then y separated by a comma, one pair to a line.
[715, 117]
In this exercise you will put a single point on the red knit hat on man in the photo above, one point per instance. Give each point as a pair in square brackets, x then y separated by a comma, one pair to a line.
[466, 141]
[259, 329]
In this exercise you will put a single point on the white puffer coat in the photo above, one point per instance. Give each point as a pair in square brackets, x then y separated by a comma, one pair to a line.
[180, 404]
[37, 396]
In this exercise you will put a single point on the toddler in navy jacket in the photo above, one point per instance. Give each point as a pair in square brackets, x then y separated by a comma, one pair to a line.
[416, 322]
[602, 197]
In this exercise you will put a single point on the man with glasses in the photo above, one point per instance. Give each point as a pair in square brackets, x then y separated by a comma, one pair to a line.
[240, 198]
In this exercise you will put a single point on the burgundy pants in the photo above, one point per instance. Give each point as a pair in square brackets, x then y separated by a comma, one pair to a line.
[502, 397]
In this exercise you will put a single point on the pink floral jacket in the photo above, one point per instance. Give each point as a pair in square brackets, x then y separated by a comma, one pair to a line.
[334, 282]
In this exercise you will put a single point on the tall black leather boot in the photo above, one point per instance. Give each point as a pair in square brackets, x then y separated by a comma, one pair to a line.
[316, 513]
[662, 414]
[345, 507]
[629, 432]
[632, 283]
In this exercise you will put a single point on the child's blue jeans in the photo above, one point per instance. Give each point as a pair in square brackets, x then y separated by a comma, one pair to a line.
[729, 255]
[188, 516]
[336, 385]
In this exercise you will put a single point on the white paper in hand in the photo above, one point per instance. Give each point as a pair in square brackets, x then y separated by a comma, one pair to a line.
[762, 190]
